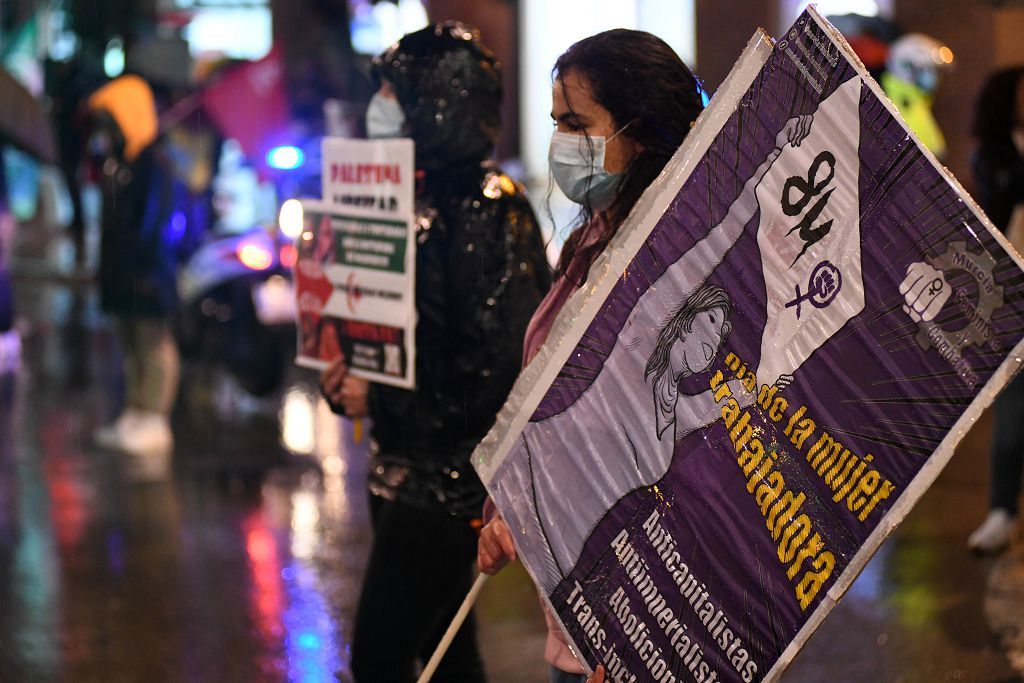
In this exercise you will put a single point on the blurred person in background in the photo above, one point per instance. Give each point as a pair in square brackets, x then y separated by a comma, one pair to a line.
[10, 340]
[67, 86]
[480, 273]
[998, 167]
[913, 70]
[138, 262]
[622, 103]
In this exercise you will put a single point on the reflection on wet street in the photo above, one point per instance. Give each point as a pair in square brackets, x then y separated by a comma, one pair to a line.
[242, 562]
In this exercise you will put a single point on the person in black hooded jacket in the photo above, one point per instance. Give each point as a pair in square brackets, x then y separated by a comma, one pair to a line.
[480, 273]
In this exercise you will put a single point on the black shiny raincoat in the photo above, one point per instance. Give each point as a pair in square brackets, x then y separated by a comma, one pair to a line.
[480, 274]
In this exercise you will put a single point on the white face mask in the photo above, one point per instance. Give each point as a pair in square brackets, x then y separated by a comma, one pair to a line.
[579, 168]
[384, 117]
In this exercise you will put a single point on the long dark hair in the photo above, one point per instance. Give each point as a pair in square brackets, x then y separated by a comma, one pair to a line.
[995, 113]
[642, 82]
[704, 298]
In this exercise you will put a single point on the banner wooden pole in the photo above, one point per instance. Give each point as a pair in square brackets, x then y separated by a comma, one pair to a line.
[453, 628]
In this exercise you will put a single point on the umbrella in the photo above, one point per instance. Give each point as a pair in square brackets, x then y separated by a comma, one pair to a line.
[23, 123]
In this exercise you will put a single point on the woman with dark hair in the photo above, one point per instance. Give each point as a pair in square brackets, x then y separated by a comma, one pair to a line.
[622, 102]
[998, 166]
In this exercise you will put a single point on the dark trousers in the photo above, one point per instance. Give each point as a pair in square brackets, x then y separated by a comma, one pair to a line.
[420, 570]
[1007, 454]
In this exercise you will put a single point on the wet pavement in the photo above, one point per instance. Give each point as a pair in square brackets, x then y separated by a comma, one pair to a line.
[243, 562]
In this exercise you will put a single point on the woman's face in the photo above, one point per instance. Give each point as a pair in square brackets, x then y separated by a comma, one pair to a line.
[574, 110]
[694, 350]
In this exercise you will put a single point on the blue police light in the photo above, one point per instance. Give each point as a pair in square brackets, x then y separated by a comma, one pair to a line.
[285, 157]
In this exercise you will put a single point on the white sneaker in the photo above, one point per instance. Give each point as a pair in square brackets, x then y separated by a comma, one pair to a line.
[137, 433]
[149, 445]
[112, 435]
[10, 352]
[148, 434]
[994, 534]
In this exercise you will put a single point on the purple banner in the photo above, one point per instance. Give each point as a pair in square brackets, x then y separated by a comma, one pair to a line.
[721, 430]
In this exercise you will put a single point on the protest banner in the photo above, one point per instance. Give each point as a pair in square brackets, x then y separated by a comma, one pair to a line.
[769, 365]
[355, 272]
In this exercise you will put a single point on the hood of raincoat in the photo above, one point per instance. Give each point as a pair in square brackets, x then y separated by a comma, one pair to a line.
[449, 86]
[129, 101]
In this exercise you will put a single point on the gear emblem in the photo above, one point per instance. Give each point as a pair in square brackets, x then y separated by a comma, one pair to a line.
[978, 314]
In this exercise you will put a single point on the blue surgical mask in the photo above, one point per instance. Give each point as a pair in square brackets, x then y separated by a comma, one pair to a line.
[579, 169]
[384, 117]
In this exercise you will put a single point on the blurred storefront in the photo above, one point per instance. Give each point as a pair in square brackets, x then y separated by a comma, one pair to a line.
[327, 45]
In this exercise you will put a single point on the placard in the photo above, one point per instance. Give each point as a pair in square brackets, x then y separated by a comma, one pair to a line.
[355, 272]
[766, 369]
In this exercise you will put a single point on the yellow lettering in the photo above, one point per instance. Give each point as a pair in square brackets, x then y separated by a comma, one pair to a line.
[778, 409]
[823, 453]
[793, 537]
[865, 487]
[751, 457]
[730, 411]
[809, 549]
[750, 382]
[769, 491]
[812, 582]
[733, 361]
[883, 492]
[803, 430]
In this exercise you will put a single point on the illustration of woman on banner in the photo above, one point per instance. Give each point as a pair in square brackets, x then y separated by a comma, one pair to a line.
[687, 344]
[568, 466]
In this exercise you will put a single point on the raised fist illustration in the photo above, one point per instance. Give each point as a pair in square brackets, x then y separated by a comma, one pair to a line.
[925, 291]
